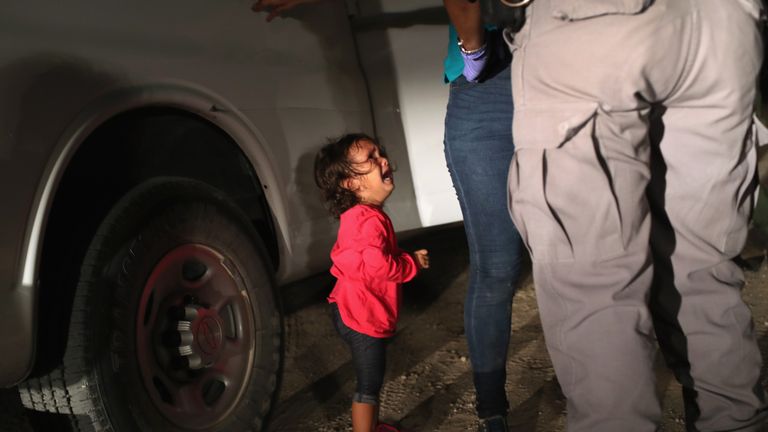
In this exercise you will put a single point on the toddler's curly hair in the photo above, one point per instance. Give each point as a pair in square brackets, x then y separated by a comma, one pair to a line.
[332, 167]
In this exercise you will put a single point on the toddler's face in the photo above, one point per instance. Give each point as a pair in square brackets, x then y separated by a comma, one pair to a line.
[374, 182]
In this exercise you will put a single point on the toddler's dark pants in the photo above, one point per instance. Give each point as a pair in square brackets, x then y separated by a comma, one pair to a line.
[369, 358]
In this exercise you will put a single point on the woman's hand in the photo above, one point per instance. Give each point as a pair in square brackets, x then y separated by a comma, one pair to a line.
[474, 63]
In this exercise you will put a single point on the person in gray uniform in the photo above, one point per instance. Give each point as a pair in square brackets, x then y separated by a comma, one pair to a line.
[632, 187]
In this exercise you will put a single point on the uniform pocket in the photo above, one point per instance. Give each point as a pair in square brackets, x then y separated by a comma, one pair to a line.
[561, 194]
[544, 237]
[570, 10]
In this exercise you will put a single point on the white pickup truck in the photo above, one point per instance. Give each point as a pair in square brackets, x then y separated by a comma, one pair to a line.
[157, 189]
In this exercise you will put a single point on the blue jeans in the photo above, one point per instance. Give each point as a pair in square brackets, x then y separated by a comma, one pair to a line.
[478, 151]
[368, 356]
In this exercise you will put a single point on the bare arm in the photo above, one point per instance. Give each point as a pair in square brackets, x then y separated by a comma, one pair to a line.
[466, 17]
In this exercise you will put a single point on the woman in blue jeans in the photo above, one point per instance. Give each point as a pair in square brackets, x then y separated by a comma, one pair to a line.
[478, 151]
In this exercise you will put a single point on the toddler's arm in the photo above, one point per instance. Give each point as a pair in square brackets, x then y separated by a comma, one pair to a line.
[398, 266]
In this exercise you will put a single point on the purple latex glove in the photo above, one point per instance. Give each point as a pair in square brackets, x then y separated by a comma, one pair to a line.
[474, 64]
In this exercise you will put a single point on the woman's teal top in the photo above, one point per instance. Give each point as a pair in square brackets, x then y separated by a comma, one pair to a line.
[454, 64]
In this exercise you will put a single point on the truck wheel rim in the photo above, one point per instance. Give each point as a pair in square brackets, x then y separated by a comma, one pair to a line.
[195, 336]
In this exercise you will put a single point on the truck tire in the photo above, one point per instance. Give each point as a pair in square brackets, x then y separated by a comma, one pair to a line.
[174, 325]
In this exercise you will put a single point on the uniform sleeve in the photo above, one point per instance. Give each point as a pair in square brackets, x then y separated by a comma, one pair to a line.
[378, 262]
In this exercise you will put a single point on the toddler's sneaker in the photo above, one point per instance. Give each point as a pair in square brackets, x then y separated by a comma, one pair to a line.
[493, 424]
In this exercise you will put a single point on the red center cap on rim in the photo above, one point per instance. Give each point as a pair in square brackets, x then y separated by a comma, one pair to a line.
[209, 335]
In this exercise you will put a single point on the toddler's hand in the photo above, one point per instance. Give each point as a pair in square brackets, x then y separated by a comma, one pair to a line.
[422, 258]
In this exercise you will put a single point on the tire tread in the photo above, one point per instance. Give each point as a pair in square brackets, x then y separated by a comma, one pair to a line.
[71, 388]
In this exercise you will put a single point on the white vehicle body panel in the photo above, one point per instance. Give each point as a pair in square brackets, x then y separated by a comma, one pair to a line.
[279, 90]
[417, 50]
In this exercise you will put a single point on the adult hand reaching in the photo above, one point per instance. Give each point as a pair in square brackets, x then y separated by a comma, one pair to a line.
[274, 8]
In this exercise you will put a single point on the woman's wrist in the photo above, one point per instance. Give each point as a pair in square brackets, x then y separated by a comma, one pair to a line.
[472, 45]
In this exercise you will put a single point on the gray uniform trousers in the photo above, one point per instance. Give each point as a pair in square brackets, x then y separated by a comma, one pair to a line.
[632, 186]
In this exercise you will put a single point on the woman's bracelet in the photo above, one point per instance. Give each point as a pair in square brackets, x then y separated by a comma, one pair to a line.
[468, 52]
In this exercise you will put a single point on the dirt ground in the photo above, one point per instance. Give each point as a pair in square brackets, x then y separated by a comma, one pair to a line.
[428, 386]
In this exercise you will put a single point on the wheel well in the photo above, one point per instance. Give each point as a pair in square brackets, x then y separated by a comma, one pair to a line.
[125, 151]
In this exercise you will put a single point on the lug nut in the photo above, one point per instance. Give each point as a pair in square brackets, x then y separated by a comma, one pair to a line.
[190, 313]
[173, 339]
[194, 361]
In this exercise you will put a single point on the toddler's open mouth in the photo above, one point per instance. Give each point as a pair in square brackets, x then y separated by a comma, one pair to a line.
[386, 177]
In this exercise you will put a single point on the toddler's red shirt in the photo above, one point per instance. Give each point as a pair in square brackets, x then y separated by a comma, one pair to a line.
[370, 270]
